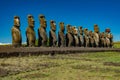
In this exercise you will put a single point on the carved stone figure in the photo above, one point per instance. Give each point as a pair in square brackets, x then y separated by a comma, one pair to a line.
[30, 33]
[75, 36]
[86, 38]
[16, 34]
[61, 35]
[42, 34]
[52, 34]
[109, 38]
[69, 36]
[81, 38]
[91, 38]
[96, 35]
[102, 40]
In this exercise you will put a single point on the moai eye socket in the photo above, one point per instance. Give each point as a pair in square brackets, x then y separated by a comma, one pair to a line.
[30, 16]
[51, 21]
[41, 16]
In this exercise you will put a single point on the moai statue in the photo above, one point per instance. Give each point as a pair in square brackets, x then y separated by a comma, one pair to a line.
[42, 34]
[30, 33]
[52, 34]
[96, 35]
[102, 40]
[75, 36]
[91, 38]
[16, 34]
[86, 38]
[109, 38]
[81, 38]
[69, 36]
[61, 35]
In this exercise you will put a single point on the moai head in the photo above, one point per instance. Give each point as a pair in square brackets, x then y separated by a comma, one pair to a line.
[74, 30]
[43, 22]
[90, 32]
[62, 28]
[86, 31]
[80, 30]
[107, 30]
[68, 28]
[16, 21]
[96, 28]
[53, 25]
[31, 21]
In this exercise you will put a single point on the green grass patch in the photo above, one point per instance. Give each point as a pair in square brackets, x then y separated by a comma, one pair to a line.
[88, 66]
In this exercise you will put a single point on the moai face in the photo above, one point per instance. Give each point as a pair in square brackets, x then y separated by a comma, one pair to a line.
[74, 30]
[86, 31]
[53, 25]
[16, 21]
[96, 28]
[62, 28]
[43, 22]
[31, 21]
[81, 31]
[90, 33]
[68, 28]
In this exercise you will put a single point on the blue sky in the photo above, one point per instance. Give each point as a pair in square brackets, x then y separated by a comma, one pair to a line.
[86, 13]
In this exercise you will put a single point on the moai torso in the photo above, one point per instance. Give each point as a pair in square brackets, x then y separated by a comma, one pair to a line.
[81, 36]
[61, 36]
[69, 37]
[52, 34]
[16, 34]
[30, 33]
[96, 35]
[42, 34]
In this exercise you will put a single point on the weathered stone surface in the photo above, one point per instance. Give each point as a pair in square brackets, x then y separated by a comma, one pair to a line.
[52, 34]
[61, 35]
[30, 33]
[42, 34]
[16, 34]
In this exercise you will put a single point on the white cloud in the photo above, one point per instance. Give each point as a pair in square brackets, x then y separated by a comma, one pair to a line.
[5, 43]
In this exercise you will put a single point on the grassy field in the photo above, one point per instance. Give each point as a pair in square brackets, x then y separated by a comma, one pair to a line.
[87, 66]
[116, 45]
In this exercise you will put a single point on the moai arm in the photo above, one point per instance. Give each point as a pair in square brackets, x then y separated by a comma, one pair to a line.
[16, 35]
[43, 35]
[54, 36]
[31, 37]
[61, 36]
